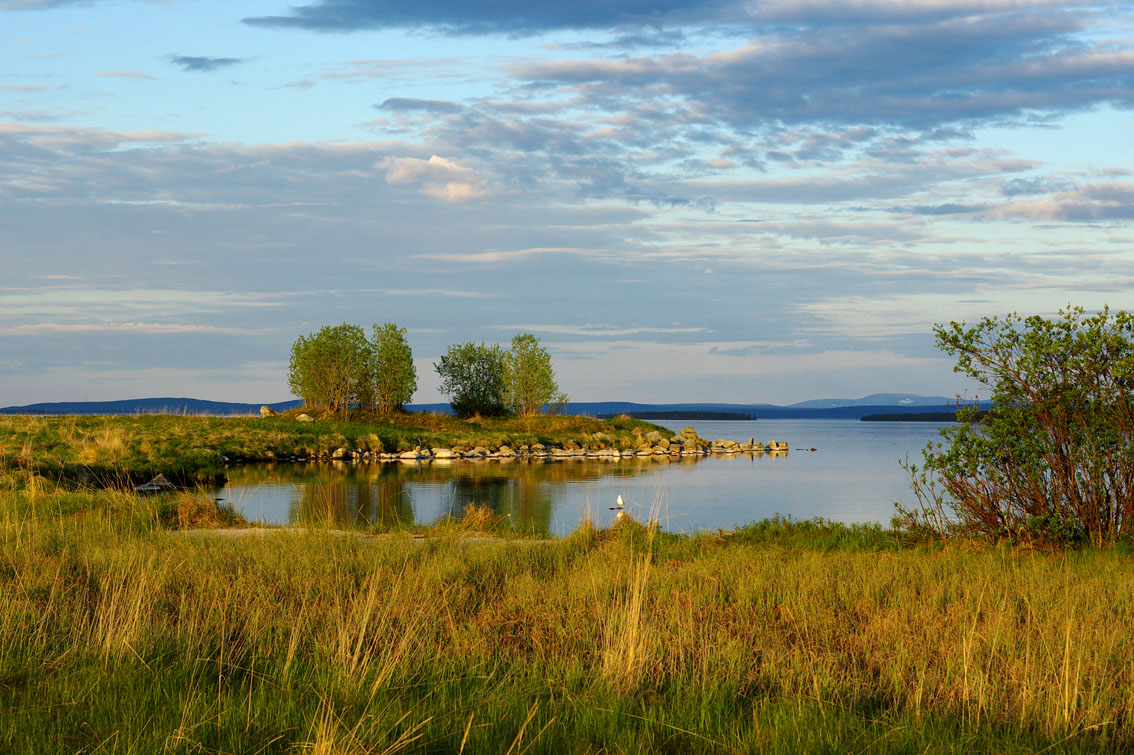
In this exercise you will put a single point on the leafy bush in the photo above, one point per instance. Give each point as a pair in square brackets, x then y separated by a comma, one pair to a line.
[530, 379]
[394, 375]
[1054, 457]
[472, 376]
[331, 368]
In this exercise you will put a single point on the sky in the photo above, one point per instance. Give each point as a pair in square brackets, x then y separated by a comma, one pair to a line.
[685, 200]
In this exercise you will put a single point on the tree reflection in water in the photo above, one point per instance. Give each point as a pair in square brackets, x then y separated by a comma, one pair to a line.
[381, 495]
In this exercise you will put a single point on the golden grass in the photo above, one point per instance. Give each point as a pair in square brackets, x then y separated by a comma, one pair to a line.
[320, 643]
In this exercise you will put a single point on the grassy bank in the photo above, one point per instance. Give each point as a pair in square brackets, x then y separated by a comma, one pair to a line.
[101, 450]
[120, 632]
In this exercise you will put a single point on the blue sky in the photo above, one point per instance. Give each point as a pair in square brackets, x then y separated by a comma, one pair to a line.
[685, 200]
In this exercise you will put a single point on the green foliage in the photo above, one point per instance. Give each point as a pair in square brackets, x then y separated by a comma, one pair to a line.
[120, 451]
[1054, 458]
[472, 376]
[394, 375]
[331, 368]
[337, 369]
[529, 380]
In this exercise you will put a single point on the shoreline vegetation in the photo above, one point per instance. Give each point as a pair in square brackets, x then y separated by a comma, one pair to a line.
[912, 417]
[107, 451]
[125, 625]
[122, 630]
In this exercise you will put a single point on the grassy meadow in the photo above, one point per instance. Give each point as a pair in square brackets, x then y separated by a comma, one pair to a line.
[124, 630]
[105, 450]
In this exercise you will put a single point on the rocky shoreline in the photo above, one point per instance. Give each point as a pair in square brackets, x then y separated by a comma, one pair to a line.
[594, 446]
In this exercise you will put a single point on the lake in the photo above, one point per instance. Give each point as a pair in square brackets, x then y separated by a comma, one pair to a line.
[853, 476]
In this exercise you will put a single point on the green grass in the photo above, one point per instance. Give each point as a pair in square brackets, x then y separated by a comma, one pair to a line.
[120, 631]
[116, 450]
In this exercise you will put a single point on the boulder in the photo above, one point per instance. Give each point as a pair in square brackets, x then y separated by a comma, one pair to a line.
[506, 452]
[444, 453]
[688, 432]
[159, 484]
[653, 436]
[304, 418]
[267, 411]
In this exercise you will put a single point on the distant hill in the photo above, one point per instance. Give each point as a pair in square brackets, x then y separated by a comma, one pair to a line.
[146, 406]
[846, 408]
[688, 415]
[816, 409]
[875, 399]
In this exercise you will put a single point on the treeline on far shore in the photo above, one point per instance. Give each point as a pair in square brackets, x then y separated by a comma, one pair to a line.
[912, 417]
[950, 416]
[731, 416]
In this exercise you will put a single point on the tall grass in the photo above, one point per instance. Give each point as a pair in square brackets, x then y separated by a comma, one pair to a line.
[119, 634]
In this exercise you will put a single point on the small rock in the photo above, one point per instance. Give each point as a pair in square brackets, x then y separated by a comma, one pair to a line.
[159, 484]
[267, 411]
[304, 418]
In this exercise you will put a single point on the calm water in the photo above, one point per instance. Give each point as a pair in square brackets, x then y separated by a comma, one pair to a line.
[853, 476]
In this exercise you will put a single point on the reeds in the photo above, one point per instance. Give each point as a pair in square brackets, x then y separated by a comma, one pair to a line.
[117, 633]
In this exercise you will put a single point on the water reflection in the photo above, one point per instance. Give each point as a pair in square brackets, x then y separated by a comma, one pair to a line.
[854, 477]
[351, 497]
[379, 495]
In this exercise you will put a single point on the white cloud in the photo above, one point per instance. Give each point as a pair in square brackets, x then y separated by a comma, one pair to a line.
[86, 303]
[602, 331]
[140, 328]
[436, 177]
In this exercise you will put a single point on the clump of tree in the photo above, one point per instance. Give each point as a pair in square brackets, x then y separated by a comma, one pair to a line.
[472, 376]
[330, 369]
[489, 381]
[395, 377]
[529, 380]
[1053, 459]
[337, 369]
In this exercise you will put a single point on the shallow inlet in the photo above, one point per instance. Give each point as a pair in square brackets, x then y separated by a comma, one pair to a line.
[853, 476]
